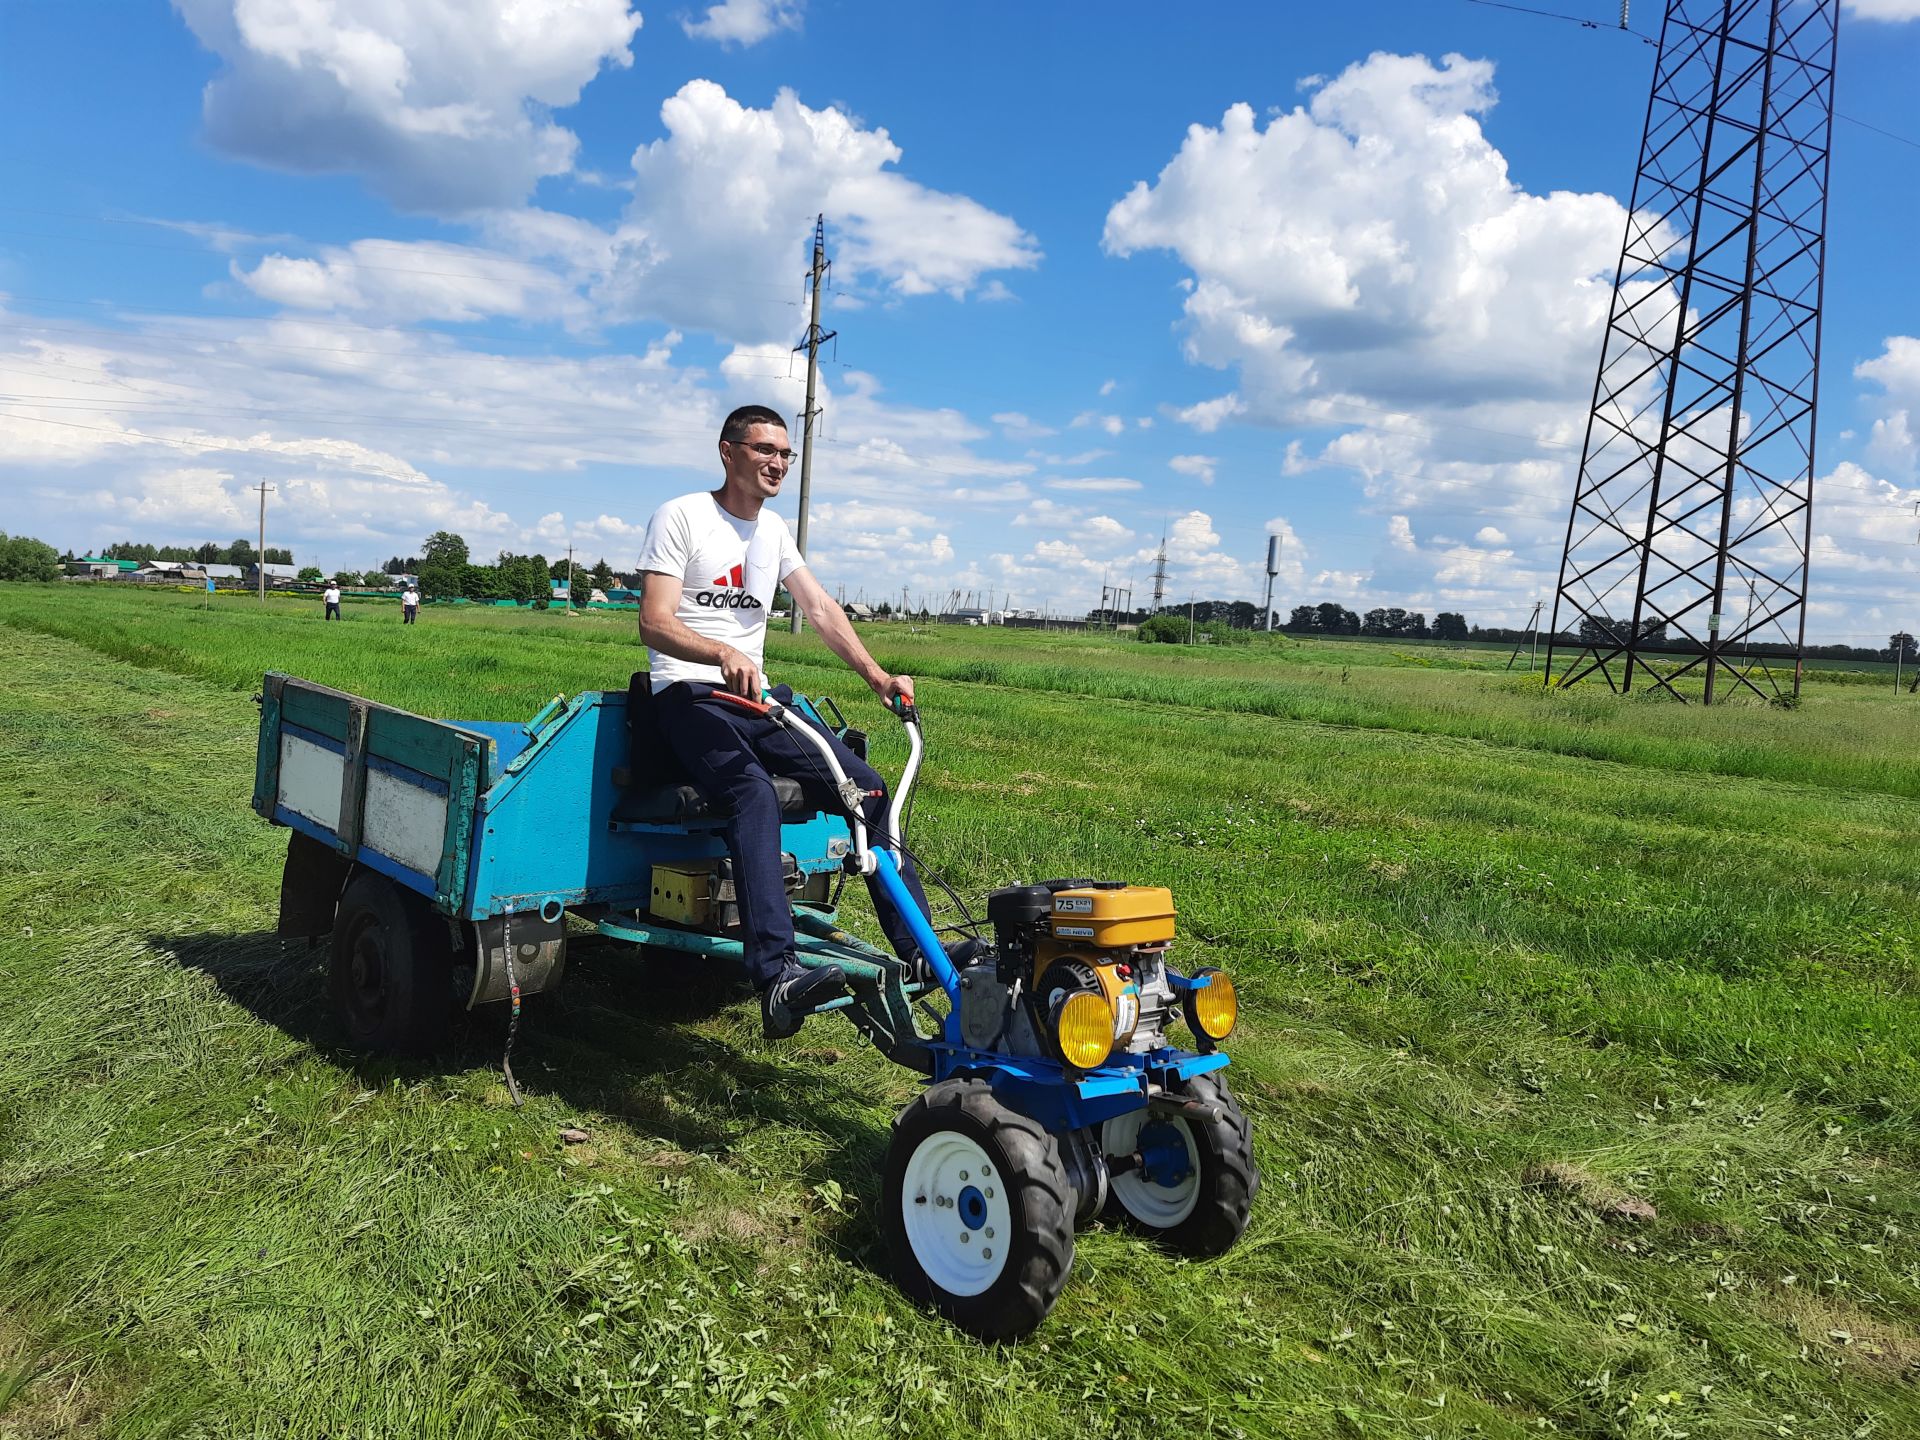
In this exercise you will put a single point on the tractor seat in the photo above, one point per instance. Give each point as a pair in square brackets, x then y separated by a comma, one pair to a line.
[682, 804]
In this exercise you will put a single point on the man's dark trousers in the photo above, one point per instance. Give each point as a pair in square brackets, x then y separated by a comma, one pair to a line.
[731, 755]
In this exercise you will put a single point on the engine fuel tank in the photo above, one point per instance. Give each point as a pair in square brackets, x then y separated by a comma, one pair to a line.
[1112, 918]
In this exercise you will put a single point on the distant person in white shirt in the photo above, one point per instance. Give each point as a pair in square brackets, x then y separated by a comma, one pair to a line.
[332, 597]
[711, 562]
[410, 605]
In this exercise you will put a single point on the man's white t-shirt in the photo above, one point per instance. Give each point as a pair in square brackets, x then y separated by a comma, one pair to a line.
[332, 595]
[728, 569]
[411, 598]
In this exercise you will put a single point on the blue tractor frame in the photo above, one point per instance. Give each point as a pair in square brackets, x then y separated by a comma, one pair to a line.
[497, 833]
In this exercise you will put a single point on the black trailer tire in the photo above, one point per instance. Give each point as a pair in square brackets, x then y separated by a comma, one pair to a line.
[391, 975]
[966, 1177]
[1206, 1212]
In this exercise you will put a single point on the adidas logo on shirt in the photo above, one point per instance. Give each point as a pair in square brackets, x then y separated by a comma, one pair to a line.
[733, 583]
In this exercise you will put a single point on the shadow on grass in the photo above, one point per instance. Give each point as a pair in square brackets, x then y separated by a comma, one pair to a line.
[626, 1036]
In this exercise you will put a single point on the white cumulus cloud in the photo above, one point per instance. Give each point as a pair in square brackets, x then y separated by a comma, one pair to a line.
[1372, 242]
[1892, 10]
[745, 22]
[1195, 467]
[724, 202]
[441, 106]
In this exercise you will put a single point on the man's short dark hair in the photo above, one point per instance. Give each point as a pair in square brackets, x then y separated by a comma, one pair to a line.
[734, 429]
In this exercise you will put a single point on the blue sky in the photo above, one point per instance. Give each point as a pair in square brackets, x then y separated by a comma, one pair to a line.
[500, 268]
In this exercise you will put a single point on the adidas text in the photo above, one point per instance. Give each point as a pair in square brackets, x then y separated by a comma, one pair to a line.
[731, 600]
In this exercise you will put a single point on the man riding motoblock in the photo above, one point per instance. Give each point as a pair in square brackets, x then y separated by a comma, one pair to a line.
[712, 561]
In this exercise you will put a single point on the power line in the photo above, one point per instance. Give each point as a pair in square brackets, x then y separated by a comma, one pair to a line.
[1579, 20]
[1647, 39]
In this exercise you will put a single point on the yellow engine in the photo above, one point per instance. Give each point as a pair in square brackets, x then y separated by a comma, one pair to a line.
[1105, 940]
[1080, 973]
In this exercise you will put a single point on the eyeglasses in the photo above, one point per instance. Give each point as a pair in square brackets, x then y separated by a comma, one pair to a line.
[765, 451]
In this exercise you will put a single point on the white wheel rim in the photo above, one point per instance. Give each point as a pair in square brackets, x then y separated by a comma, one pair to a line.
[1146, 1200]
[959, 1225]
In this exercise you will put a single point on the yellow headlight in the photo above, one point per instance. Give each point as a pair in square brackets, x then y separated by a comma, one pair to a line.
[1213, 1010]
[1085, 1030]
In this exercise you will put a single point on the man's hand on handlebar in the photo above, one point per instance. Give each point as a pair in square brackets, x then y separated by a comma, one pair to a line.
[897, 696]
[739, 674]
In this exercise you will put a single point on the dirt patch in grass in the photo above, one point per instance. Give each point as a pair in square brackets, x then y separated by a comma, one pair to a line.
[1587, 1190]
[1878, 1347]
[46, 1396]
[736, 1227]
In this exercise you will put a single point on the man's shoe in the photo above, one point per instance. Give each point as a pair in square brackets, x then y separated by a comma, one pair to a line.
[787, 1001]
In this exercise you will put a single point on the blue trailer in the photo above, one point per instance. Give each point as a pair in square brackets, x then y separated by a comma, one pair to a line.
[448, 861]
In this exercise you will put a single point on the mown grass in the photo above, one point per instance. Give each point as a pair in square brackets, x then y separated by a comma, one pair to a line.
[503, 661]
[1495, 987]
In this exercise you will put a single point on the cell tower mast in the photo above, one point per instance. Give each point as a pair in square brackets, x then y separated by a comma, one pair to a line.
[1696, 478]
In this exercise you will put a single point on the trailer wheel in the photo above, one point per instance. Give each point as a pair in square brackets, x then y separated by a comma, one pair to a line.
[1194, 1189]
[392, 969]
[979, 1210]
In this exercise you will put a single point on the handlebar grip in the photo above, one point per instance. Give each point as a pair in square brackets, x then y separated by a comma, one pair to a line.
[908, 712]
[758, 707]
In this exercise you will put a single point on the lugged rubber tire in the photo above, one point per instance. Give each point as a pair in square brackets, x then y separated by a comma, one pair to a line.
[1038, 1196]
[391, 969]
[1229, 1179]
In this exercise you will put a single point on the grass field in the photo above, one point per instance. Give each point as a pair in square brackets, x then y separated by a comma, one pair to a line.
[1511, 963]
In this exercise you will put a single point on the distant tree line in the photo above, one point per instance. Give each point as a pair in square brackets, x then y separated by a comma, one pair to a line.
[1228, 614]
[239, 552]
[447, 572]
[1327, 618]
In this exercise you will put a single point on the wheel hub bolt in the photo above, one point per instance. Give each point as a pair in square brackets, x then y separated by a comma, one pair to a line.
[964, 1237]
[986, 1252]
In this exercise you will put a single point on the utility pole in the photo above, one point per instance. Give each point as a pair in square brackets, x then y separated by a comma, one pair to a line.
[569, 577]
[1160, 574]
[1273, 569]
[1189, 619]
[1533, 637]
[265, 490]
[812, 346]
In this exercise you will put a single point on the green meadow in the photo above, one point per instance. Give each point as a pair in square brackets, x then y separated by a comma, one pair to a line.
[1580, 1036]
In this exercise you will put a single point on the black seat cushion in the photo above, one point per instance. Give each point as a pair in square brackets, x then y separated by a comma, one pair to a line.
[655, 789]
[680, 804]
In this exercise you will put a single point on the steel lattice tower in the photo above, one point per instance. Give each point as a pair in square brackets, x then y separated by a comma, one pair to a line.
[1692, 517]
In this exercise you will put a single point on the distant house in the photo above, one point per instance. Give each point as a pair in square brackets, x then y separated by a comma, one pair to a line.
[399, 580]
[223, 574]
[279, 577]
[858, 610]
[162, 572]
[99, 567]
[561, 590]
